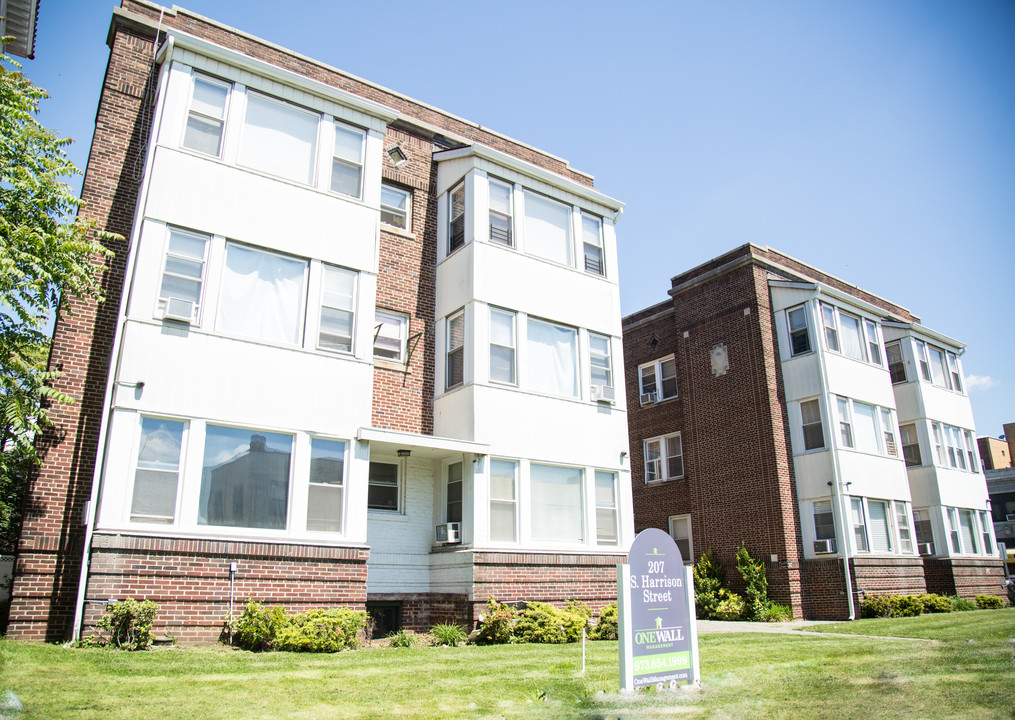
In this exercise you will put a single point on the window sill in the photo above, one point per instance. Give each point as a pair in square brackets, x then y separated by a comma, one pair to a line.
[395, 365]
[392, 230]
[653, 483]
[387, 515]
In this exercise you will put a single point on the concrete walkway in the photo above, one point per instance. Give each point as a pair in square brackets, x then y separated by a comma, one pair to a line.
[796, 627]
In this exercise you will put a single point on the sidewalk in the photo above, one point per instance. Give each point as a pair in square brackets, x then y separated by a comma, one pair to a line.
[710, 627]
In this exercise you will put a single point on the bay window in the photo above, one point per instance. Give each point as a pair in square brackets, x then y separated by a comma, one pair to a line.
[556, 505]
[552, 358]
[326, 485]
[262, 295]
[157, 473]
[245, 478]
[547, 228]
[503, 500]
[279, 138]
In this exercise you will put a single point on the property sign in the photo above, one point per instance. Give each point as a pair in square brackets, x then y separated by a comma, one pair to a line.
[658, 635]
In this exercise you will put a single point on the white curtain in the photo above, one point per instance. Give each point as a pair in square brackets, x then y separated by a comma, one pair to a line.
[547, 229]
[865, 432]
[556, 503]
[851, 336]
[279, 139]
[552, 358]
[261, 295]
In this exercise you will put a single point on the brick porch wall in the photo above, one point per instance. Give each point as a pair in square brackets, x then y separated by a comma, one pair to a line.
[421, 611]
[966, 577]
[189, 579]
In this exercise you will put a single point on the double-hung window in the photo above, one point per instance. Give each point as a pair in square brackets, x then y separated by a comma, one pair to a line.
[873, 341]
[938, 370]
[902, 523]
[923, 359]
[896, 363]
[390, 331]
[207, 115]
[888, 429]
[552, 358]
[953, 372]
[799, 333]
[865, 428]
[606, 508]
[279, 139]
[453, 494]
[680, 531]
[599, 360]
[924, 532]
[456, 218]
[548, 228]
[183, 273]
[664, 458]
[396, 207]
[910, 445]
[845, 423]
[383, 491]
[967, 522]
[157, 476]
[327, 485]
[455, 363]
[501, 212]
[502, 346]
[262, 295]
[810, 419]
[985, 525]
[503, 500]
[880, 526]
[246, 477]
[971, 450]
[556, 503]
[592, 240]
[939, 444]
[347, 162]
[338, 295]
[953, 531]
[657, 380]
[824, 527]
[859, 524]
[831, 331]
[852, 337]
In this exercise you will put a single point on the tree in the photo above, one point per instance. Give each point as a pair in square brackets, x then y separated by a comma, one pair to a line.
[46, 252]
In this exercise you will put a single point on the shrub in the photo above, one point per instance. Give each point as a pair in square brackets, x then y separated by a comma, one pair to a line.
[1010, 589]
[961, 604]
[933, 603]
[404, 638]
[606, 628]
[709, 579]
[258, 625]
[906, 605]
[731, 607]
[448, 634]
[755, 584]
[128, 624]
[989, 602]
[773, 612]
[497, 624]
[543, 623]
[875, 606]
[321, 631]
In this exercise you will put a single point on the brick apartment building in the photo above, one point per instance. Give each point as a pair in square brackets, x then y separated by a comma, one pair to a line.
[318, 379]
[824, 427]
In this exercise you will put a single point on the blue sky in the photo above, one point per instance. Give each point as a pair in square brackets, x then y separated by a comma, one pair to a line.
[874, 140]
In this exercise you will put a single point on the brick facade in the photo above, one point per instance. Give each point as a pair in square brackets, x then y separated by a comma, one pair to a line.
[967, 577]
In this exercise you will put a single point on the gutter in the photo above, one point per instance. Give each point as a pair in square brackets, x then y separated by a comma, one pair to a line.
[92, 509]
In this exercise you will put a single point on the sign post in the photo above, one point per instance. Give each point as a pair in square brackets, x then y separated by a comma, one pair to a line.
[655, 597]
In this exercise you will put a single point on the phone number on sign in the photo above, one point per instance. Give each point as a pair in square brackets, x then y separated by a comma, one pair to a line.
[670, 661]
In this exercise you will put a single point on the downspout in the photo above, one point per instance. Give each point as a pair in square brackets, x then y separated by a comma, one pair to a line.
[836, 485]
[92, 508]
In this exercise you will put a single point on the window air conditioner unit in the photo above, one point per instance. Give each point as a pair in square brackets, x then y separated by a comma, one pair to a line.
[925, 548]
[1010, 517]
[648, 398]
[824, 547]
[448, 533]
[603, 394]
[179, 310]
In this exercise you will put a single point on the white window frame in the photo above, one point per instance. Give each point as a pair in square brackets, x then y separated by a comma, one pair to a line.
[247, 158]
[566, 258]
[887, 417]
[823, 508]
[448, 502]
[814, 403]
[505, 350]
[910, 430]
[533, 367]
[923, 359]
[325, 269]
[657, 387]
[453, 350]
[399, 332]
[146, 518]
[678, 525]
[201, 281]
[496, 500]
[607, 508]
[340, 486]
[592, 240]
[389, 211]
[986, 531]
[355, 163]
[903, 527]
[954, 371]
[899, 373]
[498, 236]
[858, 522]
[846, 439]
[873, 338]
[657, 468]
[205, 117]
[799, 330]
[459, 219]
[399, 485]
[886, 506]
[580, 506]
[598, 360]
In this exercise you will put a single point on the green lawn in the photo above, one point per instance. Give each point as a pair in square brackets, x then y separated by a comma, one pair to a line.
[960, 665]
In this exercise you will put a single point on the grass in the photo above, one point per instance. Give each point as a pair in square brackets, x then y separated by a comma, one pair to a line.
[960, 665]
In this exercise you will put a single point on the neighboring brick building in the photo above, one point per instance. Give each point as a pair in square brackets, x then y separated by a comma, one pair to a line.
[355, 351]
[774, 405]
